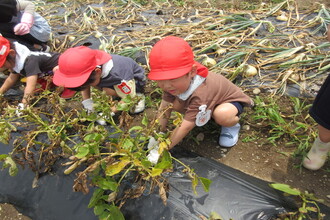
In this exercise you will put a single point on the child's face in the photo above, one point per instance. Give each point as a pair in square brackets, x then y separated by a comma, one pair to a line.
[10, 63]
[178, 85]
[98, 73]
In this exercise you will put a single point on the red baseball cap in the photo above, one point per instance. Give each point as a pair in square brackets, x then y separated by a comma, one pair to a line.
[76, 64]
[4, 50]
[170, 58]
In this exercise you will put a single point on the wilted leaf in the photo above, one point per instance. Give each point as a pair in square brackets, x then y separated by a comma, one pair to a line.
[162, 193]
[162, 146]
[116, 167]
[9, 162]
[215, 216]
[112, 196]
[194, 183]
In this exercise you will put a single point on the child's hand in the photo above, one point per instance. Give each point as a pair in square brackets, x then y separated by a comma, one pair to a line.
[20, 107]
[89, 106]
[153, 154]
[25, 25]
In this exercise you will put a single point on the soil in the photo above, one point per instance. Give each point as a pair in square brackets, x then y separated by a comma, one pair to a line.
[258, 158]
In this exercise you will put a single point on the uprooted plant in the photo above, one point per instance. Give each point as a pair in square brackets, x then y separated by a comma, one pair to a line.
[107, 155]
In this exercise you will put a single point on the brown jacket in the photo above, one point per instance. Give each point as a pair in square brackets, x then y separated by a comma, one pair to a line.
[215, 90]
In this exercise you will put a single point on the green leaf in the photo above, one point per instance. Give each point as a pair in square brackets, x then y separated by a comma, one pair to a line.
[116, 167]
[9, 162]
[205, 183]
[303, 210]
[156, 172]
[127, 144]
[165, 161]
[105, 215]
[115, 213]
[312, 209]
[106, 184]
[145, 120]
[94, 137]
[82, 151]
[3, 156]
[122, 107]
[99, 209]
[97, 195]
[163, 165]
[135, 128]
[285, 188]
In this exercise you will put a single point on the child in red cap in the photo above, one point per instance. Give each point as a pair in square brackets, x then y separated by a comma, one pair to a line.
[20, 22]
[195, 92]
[320, 112]
[81, 68]
[23, 62]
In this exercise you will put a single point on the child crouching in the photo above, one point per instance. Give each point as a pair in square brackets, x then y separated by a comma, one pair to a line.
[81, 68]
[22, 62]
[195, 92]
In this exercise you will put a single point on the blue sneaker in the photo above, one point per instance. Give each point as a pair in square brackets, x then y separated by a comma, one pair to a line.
[229, 135]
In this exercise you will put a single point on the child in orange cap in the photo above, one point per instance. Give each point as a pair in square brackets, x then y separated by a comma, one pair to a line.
[320, 111]
[195, 92]
[81, 68]
[23, 62]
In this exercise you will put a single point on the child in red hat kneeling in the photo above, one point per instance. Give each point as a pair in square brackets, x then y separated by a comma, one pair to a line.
[22, 62]
[195, 92]
[81, 68]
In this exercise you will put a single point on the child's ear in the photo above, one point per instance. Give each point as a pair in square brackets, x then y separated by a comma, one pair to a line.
[98, 71]
[193, 70]
[12, 53]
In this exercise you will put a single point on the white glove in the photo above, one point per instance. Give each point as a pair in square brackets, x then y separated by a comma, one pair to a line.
[153, 154]
[25, 25]
[88, 105]
[20, 107]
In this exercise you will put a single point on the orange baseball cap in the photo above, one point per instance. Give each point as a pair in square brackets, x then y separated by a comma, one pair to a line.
[76, 65]
[170, 58]
[4, 50]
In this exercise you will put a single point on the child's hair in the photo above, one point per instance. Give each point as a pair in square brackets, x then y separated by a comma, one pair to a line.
[11, 59]
[89, 81]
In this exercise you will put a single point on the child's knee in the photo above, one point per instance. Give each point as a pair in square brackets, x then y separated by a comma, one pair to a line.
[225, 114]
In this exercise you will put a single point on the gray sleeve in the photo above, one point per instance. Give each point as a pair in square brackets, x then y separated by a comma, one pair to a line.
[139, 75]
[26, 6]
